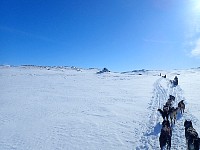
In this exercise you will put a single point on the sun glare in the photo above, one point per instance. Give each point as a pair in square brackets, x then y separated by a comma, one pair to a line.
[196, 6]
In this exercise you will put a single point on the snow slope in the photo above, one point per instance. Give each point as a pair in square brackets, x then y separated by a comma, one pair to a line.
[56, 108]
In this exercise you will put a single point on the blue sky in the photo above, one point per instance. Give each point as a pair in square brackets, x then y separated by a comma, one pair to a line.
[121, 35]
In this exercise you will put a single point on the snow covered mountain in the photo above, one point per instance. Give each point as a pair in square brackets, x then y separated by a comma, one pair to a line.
[69, 108]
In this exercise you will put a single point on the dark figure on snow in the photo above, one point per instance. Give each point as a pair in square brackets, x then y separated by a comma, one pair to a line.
[175, 82]
[192, 138]
[181, 106]
[165, 137]
[171, 97]
[164, 112]
[173, 114]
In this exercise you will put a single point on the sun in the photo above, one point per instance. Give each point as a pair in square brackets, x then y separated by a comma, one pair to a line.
[196, 5]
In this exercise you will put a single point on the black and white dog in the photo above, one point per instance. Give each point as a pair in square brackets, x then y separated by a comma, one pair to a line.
[192, 138]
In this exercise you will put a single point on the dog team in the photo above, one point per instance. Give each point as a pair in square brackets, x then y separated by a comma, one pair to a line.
[168, 111]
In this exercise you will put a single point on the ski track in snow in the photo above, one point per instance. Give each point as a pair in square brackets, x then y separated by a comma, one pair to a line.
[150, 139]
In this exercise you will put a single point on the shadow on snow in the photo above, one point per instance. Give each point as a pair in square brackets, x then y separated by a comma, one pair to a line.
[156, 130]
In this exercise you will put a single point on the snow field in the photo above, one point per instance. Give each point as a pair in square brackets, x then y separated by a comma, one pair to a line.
[67, 108]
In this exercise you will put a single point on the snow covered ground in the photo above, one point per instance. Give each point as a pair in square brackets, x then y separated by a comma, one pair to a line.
[64, 108]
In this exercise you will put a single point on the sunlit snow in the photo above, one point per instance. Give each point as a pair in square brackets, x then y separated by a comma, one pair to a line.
[69, 108]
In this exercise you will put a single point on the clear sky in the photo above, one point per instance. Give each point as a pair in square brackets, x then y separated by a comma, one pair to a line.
[121, 35]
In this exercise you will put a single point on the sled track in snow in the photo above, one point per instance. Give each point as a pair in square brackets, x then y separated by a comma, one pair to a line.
[150, 139]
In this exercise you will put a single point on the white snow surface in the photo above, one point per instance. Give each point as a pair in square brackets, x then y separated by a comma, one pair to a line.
[64, 108]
